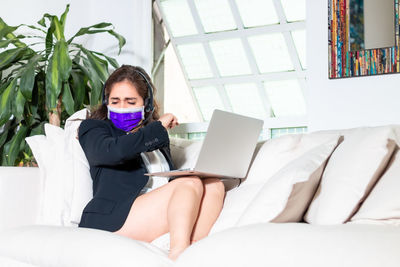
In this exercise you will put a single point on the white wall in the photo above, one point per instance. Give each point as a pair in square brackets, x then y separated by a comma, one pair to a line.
[131, 18]
[349, 102]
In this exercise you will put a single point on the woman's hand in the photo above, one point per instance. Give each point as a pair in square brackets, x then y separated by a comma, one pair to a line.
[168, 120]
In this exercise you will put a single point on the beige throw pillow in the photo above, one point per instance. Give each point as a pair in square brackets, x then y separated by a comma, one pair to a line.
[286, 196]
[350, 174]
[383, 203]
[278, 152]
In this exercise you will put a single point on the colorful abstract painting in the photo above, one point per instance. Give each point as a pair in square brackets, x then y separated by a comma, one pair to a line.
[344, 60]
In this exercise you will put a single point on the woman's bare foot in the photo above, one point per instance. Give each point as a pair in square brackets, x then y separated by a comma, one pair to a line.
[175, 252]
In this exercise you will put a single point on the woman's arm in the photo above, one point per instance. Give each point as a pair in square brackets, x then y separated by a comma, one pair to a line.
[101, 148]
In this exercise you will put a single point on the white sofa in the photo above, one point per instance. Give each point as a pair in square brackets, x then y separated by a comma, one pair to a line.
[254, 228]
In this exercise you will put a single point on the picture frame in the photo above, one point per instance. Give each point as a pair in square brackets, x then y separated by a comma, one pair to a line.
[345, 63]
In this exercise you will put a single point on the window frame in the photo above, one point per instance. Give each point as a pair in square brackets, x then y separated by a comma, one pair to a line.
[255, 77]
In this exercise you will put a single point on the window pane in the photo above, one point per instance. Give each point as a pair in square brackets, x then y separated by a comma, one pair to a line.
[230, 57]
[195, 61]
[215, 15]
[178, 98]
[277, 132]
[299, 38]
[179, 17]
[286, 98]
[271, 53]
[295, 10]
[257, 12]
[245, 100]
[197, 136]
[208, 99]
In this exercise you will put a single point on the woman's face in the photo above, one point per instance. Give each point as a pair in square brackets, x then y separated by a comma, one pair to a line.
[124, 95]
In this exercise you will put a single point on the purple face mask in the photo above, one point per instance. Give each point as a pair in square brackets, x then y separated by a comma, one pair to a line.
[125, 118]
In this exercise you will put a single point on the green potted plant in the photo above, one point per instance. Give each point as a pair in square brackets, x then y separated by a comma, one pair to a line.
[46, 81]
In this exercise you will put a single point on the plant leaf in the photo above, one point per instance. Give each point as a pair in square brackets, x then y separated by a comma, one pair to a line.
[5, 102]
[32, 27]
[64, 17]
[39, 129]
[120, 38]
[13, 147]
[112, 61]
[53, 80]
[42, 21]
[5, 29]
[9, 56]
[95, 84]
[67, 99]
[28, 77]
[58, 70]
[99, 65]
[65, 62]
[49, 39]
[87, 30]
[4, 86]
[18, 106]
[79, 89]
[3, 137]
[58, 32]
[5, 43]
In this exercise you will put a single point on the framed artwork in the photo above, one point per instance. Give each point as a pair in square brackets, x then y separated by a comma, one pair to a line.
[363, 37]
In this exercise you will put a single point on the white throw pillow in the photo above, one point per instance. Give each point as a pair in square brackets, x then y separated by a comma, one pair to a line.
[58, 158]
[184, 152]
[350, 174]
[383, 203]
[78, 172]
[286, 196]
[48, 151]
[42, 151]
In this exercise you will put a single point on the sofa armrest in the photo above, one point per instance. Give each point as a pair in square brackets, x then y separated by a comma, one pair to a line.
[20, 190]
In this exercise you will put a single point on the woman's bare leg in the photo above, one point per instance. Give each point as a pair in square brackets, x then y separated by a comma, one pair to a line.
[183, 209]
[210, 208]
[172, 207]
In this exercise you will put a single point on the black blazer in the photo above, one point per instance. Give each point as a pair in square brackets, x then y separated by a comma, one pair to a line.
[117, 168]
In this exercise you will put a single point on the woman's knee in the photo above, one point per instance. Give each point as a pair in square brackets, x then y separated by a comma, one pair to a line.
[214, 186]
[193, 182]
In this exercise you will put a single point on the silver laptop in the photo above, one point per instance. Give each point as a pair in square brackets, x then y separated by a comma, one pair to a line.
[227, 148]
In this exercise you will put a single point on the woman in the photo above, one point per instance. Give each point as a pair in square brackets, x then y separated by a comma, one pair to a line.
[116, 138]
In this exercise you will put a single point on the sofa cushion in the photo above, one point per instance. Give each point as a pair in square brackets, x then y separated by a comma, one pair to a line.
[350, 174]
[60, 246]
[286, 196]
[297, 244]
[383, 203]
[7, 262]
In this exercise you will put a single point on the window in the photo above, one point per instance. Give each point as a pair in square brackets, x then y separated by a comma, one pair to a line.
[243, 56]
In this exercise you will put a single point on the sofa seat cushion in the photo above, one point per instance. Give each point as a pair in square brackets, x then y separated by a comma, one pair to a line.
[7, 262]
[297, 244]
[48, 245]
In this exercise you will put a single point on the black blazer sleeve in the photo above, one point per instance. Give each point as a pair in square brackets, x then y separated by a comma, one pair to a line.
[102, 148]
